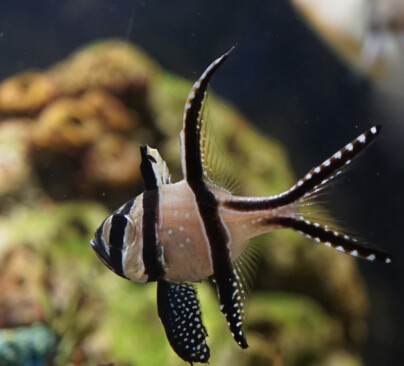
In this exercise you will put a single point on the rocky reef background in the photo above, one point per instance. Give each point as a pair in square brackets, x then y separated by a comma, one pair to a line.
[70, 128]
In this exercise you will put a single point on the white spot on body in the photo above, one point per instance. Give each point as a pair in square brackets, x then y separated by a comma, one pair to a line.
[327, 162]
[308, 176]
[388, 260]
[337, 155]
[175, 213]
[340, 249]
[354, 253]
[349, 147]
[317, 170]
[170, 231]
[187, 240]
[181, 228]
[371, 257]
[327, 244]
[187, 215]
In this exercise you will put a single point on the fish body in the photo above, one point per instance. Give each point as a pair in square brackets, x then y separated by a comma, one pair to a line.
[181, 233]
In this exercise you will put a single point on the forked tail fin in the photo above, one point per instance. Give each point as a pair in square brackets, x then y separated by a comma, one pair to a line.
[307, 188]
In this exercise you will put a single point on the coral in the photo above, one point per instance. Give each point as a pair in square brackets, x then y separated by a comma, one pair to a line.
[28, 346]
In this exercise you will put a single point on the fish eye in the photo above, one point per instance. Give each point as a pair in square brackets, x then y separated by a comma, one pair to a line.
[119, 230]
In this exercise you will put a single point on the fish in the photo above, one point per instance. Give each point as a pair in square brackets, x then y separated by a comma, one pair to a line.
[181, 233]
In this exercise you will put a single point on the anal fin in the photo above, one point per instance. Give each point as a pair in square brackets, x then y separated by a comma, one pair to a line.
[231, 296]
[179, 311]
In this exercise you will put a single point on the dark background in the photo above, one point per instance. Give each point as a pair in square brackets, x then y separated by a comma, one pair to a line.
[281, 77]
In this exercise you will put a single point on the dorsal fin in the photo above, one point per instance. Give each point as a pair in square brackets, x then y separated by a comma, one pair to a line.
[191, 160]
[217, 168]
[154, 169]
[214, 230]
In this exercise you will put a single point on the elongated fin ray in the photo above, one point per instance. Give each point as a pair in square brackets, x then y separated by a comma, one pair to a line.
[232, 297]
[215, 232]
[179, 311]
[217, 169]
[331, 238]
[247, 262]
[315, 178]
[191, 132]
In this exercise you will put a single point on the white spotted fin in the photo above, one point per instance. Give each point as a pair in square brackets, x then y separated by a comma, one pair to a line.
[178, 309]
[304, 191]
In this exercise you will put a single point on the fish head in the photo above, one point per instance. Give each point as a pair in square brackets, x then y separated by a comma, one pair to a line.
[118, 241]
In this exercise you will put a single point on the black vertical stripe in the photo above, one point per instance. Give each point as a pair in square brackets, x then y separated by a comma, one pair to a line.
[208, 206]
[151, 249]
[222, 266]
[151, 252]
[116, 239]
[98, 245]
[146, 168]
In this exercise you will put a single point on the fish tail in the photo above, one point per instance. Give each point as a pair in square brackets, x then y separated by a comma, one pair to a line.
[307, 188]
[314, 181]
[303, 193]
[321, 175]
[331, 238]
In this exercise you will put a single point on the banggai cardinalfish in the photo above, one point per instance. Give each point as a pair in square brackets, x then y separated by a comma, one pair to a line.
[183, 232]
